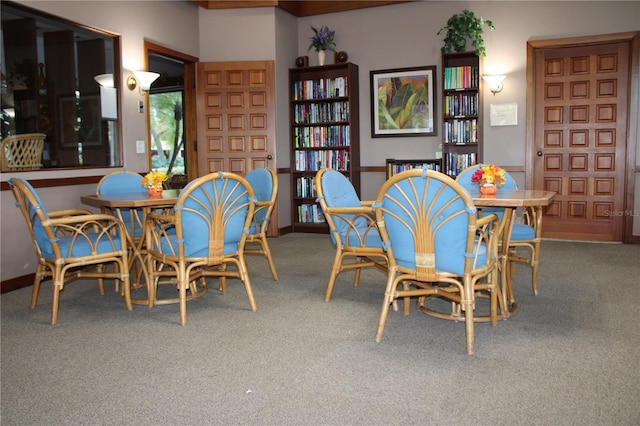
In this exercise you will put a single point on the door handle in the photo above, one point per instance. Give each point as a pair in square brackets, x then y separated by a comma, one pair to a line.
[539, 153]
[269, 157]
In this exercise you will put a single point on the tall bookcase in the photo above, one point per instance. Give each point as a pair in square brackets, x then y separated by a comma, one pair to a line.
[325, 132]
[462, 111]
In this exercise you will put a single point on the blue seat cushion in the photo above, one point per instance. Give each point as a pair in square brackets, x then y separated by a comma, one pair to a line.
[171, 246]
[522, 232]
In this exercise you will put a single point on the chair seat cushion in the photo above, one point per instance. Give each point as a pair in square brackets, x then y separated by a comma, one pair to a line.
[372, 239]
[444, 261]
[522, 232]
[170, 247]
[82, 247]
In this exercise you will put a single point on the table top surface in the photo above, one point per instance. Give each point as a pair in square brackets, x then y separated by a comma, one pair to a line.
[509, 198]
[132, 199]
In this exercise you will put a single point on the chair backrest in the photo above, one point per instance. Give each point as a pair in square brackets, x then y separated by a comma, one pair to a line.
[213, 215]
[264, 182]
[119, 182]
[22, 152]
[36, 216]
[429, 223]
[337, 191]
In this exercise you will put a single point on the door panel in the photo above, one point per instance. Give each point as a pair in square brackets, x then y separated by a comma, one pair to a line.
[236, 118]
[580, 145]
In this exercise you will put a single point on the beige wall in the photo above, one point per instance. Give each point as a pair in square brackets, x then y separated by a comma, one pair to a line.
[172, 24]
[379, 38]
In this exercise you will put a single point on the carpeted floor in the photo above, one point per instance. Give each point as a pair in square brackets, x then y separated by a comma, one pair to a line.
[568, 357]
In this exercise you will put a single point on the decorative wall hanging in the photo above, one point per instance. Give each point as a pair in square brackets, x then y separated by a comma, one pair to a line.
[403, 102]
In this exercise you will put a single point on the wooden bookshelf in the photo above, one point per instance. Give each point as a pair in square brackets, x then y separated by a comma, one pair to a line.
[462, 111]
[394, 166]
[324, 133]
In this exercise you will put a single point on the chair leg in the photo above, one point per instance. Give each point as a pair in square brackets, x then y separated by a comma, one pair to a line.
[388, 300]
[58, 282]
[535, 262]
[335, 269]
[126, 283]
[468, 305]
[244, 276]
[182, 289]
[267, 253]
[39, 276]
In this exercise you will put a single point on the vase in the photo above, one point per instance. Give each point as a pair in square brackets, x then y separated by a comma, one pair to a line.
[321, 57]
[155, 191]
[488, 189]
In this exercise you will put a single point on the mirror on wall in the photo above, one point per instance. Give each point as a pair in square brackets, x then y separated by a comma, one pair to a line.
[49, 70]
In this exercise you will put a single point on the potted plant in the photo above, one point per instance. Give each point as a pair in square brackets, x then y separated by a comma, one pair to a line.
[462, 27]
[322, 40]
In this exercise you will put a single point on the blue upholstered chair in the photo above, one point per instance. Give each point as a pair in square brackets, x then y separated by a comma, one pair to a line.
[352, 227]
[119, 182]
[526, 231]
[72, 244]
[205, 235]
[436, 245]
[264, 182]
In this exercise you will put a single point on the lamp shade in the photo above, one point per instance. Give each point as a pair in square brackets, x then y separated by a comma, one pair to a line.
[145, 79]
[494, 82]
[104, 80]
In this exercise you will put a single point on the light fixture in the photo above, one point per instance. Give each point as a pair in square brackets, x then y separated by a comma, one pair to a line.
[142, 79]
[494, 82]
[104, 80]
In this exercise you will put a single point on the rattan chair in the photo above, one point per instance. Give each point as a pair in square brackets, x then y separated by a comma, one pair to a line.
[352, 227]
[205, 235]
[264, 182]
[526, 232]
[22, 152]
[72, 244]
[437, 246]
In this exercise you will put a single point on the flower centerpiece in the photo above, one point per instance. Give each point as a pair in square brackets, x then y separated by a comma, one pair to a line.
[322, 40]
[488, 178]
[153, 182]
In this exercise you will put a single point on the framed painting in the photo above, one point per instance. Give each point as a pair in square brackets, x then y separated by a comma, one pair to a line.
[403, 102]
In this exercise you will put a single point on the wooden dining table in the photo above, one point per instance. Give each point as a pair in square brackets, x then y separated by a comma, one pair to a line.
[140, 203]
[510, 201]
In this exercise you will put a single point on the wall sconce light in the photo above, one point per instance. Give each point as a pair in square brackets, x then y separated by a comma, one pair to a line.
[494, 82]
[142, 79]
[104, 80]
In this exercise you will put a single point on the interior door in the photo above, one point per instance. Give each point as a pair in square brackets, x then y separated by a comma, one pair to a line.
[236, 118]
[580, 139]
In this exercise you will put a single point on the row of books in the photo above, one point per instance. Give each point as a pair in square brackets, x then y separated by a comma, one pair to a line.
[460, 104]
[460, 131]
[465, 77]
[310, 213]
[394, 168]
[320, 136]
[305, 187]
[320, 113]
[455, 163]
[315, 160]
[320, 89]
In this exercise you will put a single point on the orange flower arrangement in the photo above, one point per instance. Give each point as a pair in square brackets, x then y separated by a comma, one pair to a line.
[490, 174]
[154, 179]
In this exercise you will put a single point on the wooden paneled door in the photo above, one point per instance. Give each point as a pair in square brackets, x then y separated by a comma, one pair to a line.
[580, 143]
[236, 118]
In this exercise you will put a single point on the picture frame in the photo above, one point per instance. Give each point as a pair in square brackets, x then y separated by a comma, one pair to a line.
[403, 102]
